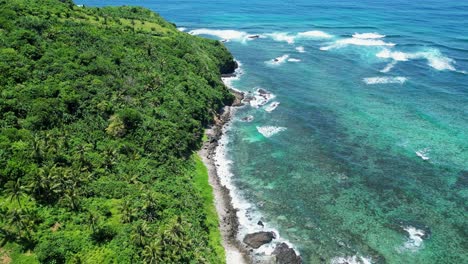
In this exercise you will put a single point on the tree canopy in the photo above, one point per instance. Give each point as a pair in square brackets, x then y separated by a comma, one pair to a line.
[101, 110]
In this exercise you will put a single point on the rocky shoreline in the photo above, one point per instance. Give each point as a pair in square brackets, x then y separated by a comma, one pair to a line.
[228, 221]
[236, 251]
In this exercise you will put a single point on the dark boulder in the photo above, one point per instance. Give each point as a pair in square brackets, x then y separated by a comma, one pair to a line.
[286, 255]
[258, 239]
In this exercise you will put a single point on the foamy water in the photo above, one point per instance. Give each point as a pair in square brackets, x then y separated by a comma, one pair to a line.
[385, 80]
[351, 260]
[271, 107]
[291, 38]
[415, 239]
[269, 131]
[434, 58]
[227, 34]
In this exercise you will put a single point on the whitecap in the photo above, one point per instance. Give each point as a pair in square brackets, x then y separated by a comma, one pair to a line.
[395, 55]
[351, 260]
[271, 107]
[314, 34]
[434, 58]
[279, 60]
[260, 98]
[225, 35]
[368, 35]
[269, 131]
[385, 80]
[415, 238]
[228, 81]
[300, 49]
[423, 154]
[182, 29]
[294, 60]
[291, 38]
[389, 67]
[356, 42]
[282, 37]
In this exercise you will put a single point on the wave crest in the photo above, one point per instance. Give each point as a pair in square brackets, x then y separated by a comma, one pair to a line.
[269, 131]
[385, 80]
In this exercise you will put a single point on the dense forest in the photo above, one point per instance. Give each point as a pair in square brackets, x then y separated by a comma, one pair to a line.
[101, 112]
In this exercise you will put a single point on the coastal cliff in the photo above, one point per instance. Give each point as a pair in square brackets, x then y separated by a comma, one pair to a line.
[101, 111]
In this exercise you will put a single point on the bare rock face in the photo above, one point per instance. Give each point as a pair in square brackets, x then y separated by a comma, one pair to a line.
[256, 240]
[286, 255]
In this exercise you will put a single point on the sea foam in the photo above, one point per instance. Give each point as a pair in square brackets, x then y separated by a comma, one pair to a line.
[271, 107]
[368, 35]
[269, 131]
[423, 154]
[291, 38]
[278, 61]
[415, 238]
[359, 39]
[385, 80]
[300, 49]
[351, 260]
[260, 98]
[314, 34]
[434, 58]
[229, 35]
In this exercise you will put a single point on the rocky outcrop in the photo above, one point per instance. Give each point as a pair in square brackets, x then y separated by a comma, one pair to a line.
[229, 67]
[286, 255]
[258, 239]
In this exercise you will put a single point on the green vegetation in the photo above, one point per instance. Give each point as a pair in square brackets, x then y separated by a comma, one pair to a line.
[101, 110]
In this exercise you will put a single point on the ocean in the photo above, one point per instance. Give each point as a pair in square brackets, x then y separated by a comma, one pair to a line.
[354, 144]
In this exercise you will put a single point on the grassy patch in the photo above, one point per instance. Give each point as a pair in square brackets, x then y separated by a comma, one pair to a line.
[202, 184]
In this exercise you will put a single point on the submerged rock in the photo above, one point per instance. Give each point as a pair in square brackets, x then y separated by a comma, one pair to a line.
[248, 118]
[286, 255]
[256, 240]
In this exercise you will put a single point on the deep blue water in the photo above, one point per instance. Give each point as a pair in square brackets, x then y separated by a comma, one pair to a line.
[367, 153]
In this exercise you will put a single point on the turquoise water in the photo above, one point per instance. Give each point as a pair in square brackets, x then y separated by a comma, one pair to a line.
[370, 154]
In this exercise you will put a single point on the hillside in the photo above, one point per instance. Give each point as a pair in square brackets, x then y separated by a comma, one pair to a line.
[101, 110]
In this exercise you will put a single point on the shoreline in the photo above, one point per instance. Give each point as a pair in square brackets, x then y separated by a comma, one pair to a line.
[227, 214]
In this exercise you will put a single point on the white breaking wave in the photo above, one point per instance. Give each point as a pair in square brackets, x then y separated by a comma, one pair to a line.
[423, 154]
[314, 34]
[300, 49]
[182, 29]
[291, 38]
[357, 42]
[415, 238]
[282, 37]
[260, 98]
[279, 60]
[269, 131]
[228, 81]
[351, 260]
[434, 58]
[368, 35]
[294, 60]
[389, 67]
[227, 34]
[385, 80]
[272, 106]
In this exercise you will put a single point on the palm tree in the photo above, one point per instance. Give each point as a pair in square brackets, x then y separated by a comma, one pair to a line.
[16, 190]
[152, 252]
[141, 233]
[93, 220]
[127, 212]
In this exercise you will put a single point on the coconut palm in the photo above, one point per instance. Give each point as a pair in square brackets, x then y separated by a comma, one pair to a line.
[152, 252]
[16, 190]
